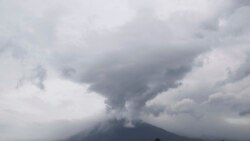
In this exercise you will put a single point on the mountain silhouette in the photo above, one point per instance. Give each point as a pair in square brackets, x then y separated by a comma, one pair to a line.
[114, 130]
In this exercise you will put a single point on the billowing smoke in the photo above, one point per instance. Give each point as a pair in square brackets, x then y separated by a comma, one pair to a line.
[137, 61]
[143, 56]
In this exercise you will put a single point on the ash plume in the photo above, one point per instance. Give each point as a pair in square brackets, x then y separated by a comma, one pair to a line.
[134, 63]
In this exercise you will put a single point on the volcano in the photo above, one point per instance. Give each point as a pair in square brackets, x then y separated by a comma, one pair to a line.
[115, 130]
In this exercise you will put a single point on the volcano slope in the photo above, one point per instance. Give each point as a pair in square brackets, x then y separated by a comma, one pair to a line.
[114, 130]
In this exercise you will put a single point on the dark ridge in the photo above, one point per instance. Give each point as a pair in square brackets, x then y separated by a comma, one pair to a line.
[114, 130]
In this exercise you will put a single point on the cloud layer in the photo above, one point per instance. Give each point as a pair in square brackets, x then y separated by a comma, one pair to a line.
[176, 64]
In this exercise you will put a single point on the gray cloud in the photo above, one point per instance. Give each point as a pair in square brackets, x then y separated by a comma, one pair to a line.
[222, 112]
[242, 72]
[131, 53]
[36, 76]
[134, 64]
[245, 113]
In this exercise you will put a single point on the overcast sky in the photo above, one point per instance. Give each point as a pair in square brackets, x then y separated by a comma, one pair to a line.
[182, 65]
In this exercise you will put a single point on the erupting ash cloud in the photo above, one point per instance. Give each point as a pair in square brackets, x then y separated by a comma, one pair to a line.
[143, 56]
[134, 63]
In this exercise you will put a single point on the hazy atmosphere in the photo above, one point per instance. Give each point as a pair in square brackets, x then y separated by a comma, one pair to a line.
[180, 65]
